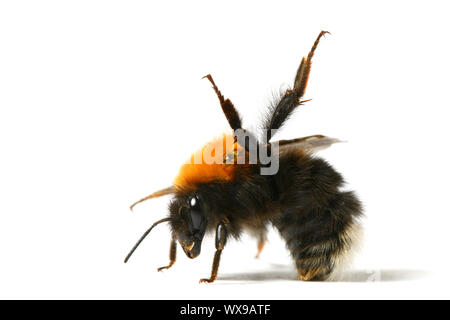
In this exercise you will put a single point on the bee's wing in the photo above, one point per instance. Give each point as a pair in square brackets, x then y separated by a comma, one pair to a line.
[311, 143]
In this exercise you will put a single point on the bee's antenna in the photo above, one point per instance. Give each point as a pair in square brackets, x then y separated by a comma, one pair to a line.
[143, 237]
[156, 194]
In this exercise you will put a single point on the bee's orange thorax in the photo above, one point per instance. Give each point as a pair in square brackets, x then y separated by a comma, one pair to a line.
[202, 168]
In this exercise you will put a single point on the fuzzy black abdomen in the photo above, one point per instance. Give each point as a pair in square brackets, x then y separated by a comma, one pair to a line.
[317, 221]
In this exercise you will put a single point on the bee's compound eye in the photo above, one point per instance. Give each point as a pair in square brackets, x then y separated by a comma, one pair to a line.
[193, 201]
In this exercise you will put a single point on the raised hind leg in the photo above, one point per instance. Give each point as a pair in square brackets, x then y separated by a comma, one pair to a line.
[292, 97]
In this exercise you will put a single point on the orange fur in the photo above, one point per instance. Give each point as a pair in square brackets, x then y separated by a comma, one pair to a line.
[192, 173]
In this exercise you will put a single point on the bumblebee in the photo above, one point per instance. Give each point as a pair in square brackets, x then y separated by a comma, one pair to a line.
[302, 199]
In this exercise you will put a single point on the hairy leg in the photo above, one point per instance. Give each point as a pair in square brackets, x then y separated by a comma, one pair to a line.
[172, 255]
[221, 240]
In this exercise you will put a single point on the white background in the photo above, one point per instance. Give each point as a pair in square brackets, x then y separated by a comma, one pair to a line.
[101, 101]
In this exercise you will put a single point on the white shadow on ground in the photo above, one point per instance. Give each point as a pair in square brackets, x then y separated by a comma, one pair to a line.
[277, 272]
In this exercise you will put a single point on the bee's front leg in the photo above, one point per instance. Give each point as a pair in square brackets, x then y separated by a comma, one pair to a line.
[221, 240]
[172, 255]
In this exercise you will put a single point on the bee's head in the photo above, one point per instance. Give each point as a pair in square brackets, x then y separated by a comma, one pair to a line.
[188, 223]
[187, 220]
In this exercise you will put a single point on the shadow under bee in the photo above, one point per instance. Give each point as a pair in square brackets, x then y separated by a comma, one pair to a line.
[287, 273]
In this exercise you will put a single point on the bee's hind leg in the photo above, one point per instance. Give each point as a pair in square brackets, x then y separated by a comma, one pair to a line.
[262, 239]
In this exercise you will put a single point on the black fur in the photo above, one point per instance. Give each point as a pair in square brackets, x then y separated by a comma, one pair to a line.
[280, 113]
